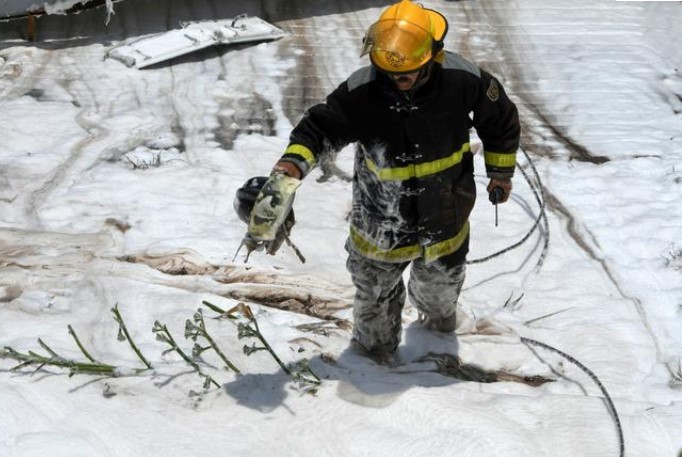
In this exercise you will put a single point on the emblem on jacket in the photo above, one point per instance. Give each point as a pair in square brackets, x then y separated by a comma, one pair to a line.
[395, 59]
[493, 92]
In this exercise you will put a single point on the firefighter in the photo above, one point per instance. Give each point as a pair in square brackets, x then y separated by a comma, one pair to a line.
[409, 112]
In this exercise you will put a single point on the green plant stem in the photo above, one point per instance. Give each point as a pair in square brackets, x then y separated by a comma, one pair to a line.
[251, 329]
[119, 319]
[312, 373]
[214, 345]
[87, 355]
[217, 309]
[256, 330]
[213, 307]
[174, 345]
[269, 348]
[76, 367]
[220, 353]
[530, 321]
[49, 350]
[295, 375]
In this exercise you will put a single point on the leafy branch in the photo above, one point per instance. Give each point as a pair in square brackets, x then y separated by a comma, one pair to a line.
[299, 371]
[53, 359]
[196, 329]
[217, 309]
[92, 366]
[123, 335]
[87, 355]
[164, 335]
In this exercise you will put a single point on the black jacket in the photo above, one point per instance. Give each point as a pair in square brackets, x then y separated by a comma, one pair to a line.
[413, 186]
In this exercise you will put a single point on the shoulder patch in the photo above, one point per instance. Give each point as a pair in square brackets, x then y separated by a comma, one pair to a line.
[360, 77]
[493, 91]
[454, 61]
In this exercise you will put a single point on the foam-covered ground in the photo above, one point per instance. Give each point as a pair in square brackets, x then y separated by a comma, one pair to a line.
[116, 187]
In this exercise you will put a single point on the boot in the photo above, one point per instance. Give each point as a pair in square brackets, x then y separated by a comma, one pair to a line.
[459, 321]
[380, 356]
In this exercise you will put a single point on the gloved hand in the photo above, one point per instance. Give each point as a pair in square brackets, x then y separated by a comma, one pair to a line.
[271, 246]
[264, 204]
[504, 184]
[272, 206]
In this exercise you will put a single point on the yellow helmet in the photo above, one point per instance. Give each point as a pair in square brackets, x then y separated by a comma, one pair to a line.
[405, 38]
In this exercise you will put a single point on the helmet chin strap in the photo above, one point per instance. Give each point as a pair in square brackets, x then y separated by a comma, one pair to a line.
[424, 73]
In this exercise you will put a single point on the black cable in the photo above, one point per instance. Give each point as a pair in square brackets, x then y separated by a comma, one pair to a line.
[539, 197]
[594, 378]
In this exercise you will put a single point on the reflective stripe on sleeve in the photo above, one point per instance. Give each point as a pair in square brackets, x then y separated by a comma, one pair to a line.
[500, 160]
[302, 151]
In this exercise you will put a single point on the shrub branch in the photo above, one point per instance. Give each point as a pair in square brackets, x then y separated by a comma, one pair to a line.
[299, 371]
[74, 367]
[197, 329]
[163, 334]
[87, 355]
[123, 334]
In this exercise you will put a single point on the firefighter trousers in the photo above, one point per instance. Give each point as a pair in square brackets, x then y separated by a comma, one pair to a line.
[380, 296]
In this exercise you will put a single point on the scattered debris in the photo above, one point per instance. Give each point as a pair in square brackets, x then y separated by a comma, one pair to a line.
[17, 9]
[192, 37]
[452, 366]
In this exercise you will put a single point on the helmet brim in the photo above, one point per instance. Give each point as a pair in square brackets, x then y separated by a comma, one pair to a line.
[398, 46]
[439, 25]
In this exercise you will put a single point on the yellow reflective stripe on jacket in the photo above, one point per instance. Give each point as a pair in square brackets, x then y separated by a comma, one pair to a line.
[419, 170]
[501, 160]
[410, 252]
[446, 247]
[302, 151]
[372, 251]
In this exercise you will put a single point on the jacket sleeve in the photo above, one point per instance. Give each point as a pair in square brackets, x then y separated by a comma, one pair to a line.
[323, 128]
[496, 121]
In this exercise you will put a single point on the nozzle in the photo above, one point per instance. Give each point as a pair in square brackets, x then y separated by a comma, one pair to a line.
[251, 245]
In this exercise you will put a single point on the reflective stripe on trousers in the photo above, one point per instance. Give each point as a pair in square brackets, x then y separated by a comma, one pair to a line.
[380, 296]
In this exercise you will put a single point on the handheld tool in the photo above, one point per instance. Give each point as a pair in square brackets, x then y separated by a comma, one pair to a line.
[495, 196]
